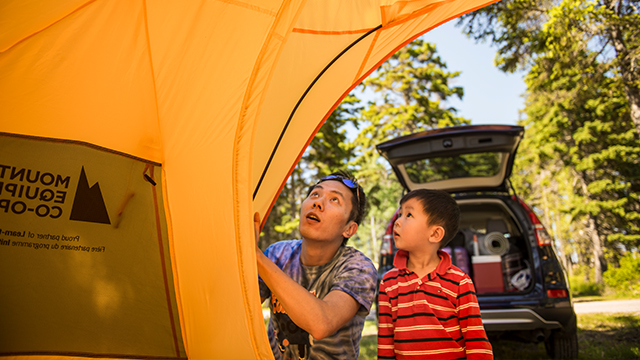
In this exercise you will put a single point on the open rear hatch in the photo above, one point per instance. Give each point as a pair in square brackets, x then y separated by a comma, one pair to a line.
[490, 246]
[455, 159]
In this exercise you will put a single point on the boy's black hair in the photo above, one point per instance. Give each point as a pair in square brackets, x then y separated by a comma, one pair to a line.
[358, 198]
[440, 208]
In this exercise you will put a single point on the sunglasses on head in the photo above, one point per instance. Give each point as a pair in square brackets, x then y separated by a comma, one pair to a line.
[351, 184]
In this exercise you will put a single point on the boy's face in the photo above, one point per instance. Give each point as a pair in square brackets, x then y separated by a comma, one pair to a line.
[325, 212]
[411, 231]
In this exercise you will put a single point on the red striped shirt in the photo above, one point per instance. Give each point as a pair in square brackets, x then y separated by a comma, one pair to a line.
[437, 316]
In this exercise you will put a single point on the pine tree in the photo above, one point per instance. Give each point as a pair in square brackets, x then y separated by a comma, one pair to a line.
[579, 125]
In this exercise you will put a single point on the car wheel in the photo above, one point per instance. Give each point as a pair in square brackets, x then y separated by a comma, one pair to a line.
[562, 345]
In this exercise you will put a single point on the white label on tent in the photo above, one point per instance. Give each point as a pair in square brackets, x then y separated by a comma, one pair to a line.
[84, 253]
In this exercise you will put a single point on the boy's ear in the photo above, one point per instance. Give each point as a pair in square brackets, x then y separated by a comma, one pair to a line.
[436, 234]
[350, 229]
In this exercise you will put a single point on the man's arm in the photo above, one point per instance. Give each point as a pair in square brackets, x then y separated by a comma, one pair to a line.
[385, 325]
[319, 317]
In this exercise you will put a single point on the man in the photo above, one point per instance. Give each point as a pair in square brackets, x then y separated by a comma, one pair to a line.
[320, 290]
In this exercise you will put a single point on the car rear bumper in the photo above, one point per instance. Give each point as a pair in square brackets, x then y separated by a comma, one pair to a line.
[516, 320]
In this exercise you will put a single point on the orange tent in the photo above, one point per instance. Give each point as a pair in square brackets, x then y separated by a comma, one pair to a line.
[136, 140]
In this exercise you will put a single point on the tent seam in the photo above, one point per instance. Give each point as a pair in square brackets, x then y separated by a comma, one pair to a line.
[295, 108]
[330, 32]
[163, 261]
[250, 7]
[409, 40]
[272, 36]
[367, 56]
[48, 26]
[165, 190]
[378, 29]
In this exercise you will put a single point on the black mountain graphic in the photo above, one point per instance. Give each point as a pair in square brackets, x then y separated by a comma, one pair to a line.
[88, 204]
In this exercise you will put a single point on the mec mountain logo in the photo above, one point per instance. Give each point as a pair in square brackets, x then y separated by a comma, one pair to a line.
[88, 204]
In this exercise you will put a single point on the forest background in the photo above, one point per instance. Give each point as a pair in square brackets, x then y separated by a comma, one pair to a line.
[578, 164]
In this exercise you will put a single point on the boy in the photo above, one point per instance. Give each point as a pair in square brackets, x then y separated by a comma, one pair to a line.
[427, 306]
[320, 290]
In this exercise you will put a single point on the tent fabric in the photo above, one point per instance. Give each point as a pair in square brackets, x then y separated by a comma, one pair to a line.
[215, 102]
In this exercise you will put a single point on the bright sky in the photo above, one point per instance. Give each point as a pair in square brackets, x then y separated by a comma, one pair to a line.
[490, 96]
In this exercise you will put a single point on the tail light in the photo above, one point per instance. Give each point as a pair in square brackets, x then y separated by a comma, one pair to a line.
[542, 236]
[385, 247]
[557, 293]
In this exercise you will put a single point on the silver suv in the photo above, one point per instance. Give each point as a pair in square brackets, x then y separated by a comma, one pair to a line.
[521, 285]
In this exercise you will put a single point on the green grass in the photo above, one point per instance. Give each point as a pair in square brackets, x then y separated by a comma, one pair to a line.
[609, 336]
[607, 295]
[582, 288]
[604, 297]
[368, 347]
[369, 341]
[370, 328]
[600, 336]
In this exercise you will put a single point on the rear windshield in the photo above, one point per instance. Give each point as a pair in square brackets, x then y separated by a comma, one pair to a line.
[485, 164]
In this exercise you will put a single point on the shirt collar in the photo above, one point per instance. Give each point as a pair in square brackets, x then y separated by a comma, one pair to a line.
[401, 258]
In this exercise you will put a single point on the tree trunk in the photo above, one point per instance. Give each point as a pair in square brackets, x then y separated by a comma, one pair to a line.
[545, 203]
[374, 240]
[587, 276]
[598, 251]
[552, 225]
[568, 265]
[630, 73]
[267, 238]
[293, 198]
[294, 211]
[559, 236]
[592, 229]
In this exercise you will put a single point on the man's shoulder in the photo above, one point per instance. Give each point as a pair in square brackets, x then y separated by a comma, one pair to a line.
[283, 244]
[350, 251]
[353, 255]
[282, 249]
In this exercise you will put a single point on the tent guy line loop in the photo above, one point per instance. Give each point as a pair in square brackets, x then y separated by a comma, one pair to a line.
[286, 126]
[149, 168]
[149, 179]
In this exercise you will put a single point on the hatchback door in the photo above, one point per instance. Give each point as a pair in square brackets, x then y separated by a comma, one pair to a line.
[455, 159]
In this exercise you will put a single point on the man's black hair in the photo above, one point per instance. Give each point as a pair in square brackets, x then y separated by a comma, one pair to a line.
[357, 208]
[441, 209]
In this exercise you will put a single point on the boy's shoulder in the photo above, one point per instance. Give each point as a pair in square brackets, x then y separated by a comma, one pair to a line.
[457, 272]
[455, 277]
[392, 274]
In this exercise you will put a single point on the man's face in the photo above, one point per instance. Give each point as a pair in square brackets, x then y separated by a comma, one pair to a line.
[325, 212]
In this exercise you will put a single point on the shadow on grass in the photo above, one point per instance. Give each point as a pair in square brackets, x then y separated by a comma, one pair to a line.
[600, 336]
[615, 336]
[508, 349]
